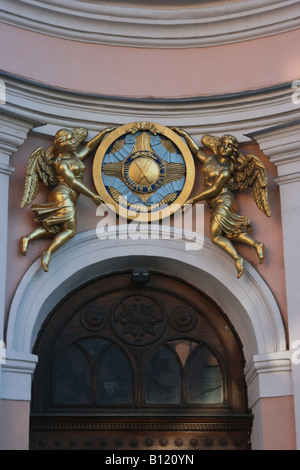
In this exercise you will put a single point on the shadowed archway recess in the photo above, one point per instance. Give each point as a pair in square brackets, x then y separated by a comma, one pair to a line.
[133, 365]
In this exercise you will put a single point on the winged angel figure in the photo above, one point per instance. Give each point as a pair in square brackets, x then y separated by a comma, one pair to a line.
[225, 171]
[60, 167]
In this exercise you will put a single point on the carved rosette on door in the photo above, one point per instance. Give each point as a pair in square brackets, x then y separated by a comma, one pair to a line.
[138, 319]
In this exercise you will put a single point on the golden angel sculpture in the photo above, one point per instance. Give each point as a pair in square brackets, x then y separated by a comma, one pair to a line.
[224, 171]
[60, 167]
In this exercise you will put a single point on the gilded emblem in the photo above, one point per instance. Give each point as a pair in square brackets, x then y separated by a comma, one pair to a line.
[144, 170]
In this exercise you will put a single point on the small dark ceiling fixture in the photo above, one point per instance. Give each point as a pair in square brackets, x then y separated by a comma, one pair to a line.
[140, 276]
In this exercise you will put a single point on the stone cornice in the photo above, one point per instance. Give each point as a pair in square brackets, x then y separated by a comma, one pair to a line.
[282, 145]
[244, 114]
[149, 27]
[14, 128]
[269, 375]
[286, 179]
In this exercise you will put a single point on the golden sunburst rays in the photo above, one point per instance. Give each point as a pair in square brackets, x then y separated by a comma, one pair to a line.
[168, 145]
[118, 145]
[143, 143]
[143, 166]
[174, 172]
[113, 169]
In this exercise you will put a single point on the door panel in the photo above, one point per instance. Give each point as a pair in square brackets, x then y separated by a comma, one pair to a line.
[124, 365]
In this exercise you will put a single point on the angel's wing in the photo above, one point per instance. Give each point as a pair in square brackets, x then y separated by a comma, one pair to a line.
[212, 142]
[38, 169]
[250, 172]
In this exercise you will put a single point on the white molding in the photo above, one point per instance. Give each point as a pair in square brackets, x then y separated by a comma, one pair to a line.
[240, 114]
[14, 128]
[6, 170]
[113, 24]
[282, 145]
[269, 375]
[17, 372]
[286, 179]
[13, 133]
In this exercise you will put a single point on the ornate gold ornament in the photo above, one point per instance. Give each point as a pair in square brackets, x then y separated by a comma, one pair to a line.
[60, 167]
[144, 170]
[226, 170]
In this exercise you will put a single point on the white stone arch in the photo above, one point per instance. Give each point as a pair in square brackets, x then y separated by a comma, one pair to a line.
[248, 302]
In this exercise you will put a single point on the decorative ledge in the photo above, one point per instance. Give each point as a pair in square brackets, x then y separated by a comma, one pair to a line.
[17, 371]
[149, 27]
[269, 375]
[282, 145]
[244, 114]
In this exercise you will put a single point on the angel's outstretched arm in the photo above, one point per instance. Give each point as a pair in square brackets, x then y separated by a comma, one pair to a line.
[93, 144]
[191, 144]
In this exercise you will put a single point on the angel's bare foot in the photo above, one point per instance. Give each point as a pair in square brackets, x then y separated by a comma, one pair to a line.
[46, 260]
[24, 245]
[239, 262]
[260, 249]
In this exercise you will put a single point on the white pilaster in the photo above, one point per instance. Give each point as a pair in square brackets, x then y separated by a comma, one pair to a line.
[13, 132]
[282, 145]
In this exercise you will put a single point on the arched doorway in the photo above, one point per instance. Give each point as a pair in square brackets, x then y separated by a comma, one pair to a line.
[124, 365]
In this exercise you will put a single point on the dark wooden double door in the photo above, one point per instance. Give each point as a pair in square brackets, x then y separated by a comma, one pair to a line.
[124, 365]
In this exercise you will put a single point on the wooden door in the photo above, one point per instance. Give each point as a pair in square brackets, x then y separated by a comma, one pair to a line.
[139, 366]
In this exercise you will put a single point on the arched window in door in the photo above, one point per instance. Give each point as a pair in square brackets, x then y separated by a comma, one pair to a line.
[92, 371]
[192, 375]
[96, 372]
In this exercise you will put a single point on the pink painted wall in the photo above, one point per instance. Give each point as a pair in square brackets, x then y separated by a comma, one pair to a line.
[137, 72]
[14, 419]
[278, 423]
